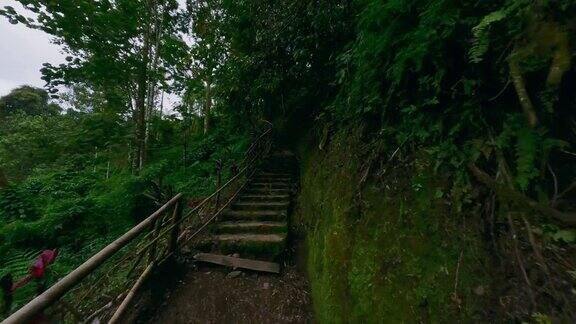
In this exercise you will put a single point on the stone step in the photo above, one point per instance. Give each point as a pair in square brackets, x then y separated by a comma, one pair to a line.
[272, 179]
[251, 197]
[249, 237]
[256, 224]
[273, 185]
[270, 183]
[234, 262]
[258, 205]
[275, 174]
[261, 246]
[268, 191]
[262, 227]
[254, 215]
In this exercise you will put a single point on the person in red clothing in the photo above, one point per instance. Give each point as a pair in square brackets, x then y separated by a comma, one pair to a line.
[37, 272]
[39, 267]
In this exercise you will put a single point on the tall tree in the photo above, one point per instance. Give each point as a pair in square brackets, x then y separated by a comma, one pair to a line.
[27, 100]
[209, 52]
[115, 46]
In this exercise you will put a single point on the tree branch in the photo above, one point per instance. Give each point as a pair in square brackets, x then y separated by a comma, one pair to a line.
[520, 86]
[518, 197]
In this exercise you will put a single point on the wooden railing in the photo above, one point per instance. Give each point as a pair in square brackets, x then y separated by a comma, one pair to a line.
[105, 285]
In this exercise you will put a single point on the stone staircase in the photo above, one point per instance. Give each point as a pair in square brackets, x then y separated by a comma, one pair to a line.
[256, 224]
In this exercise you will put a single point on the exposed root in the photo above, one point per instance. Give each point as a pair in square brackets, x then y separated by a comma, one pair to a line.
[517, 197]
[519, 259]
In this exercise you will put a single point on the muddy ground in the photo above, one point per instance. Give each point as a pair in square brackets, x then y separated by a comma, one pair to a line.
[201, 293]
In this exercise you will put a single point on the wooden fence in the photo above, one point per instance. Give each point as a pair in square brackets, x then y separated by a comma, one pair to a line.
[104, 286]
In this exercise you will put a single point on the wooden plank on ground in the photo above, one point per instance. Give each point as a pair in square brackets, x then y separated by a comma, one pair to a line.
[238, 262]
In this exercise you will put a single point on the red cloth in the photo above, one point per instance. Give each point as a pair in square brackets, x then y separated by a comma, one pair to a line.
[38, 268]
[42, 262]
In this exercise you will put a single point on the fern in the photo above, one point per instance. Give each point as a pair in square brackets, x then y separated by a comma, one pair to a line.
[528, 147]
[481, 32]
[526, 154]
[18, 265]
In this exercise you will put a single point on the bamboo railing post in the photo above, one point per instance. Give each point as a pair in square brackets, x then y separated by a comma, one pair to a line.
[29, 311]
[176, 217]
[218, 181]
[154, 225]
[130, 296]
[155, 231]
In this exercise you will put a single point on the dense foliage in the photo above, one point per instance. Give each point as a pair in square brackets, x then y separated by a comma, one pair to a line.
[71, 185]
[434, 73]
[481, 92]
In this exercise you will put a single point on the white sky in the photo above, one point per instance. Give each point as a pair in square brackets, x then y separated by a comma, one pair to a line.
[24, 50]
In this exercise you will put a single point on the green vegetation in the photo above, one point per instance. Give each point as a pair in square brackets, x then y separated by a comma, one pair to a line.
[386, 248]
[436, 138]
[72, 188]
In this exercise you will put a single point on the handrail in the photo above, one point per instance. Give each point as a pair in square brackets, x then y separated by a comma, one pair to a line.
[50, 296]
[235, 177]
[248, 163]
[199, 206]
[157, 231]
[252, 147]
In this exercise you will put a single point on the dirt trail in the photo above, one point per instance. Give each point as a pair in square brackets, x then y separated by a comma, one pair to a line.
[212, 295]
[201, 293]
[192, 292]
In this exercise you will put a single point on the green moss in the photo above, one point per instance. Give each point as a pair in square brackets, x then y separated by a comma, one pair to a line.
[385, 253]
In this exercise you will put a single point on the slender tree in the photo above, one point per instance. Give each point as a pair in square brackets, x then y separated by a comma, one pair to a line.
[209, 51]
[122, 47]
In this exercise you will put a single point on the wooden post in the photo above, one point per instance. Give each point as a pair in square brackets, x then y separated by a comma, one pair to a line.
[218, 181]
[126, 302]
[155, 231]
[176, 217]
[29, 311]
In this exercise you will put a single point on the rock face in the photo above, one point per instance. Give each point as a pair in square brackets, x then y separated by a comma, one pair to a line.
[256, 224]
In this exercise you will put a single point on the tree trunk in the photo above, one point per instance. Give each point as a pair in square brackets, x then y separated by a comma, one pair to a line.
[140, 155]
[512, 195]
[142, 99]
[207, 107]
[155, 35]
[520, 86]
[162, 105]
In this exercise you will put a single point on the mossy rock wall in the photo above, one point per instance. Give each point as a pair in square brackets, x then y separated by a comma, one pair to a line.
[386, 251]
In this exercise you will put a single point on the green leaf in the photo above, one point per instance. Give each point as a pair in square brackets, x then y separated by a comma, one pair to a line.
[566, 236]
